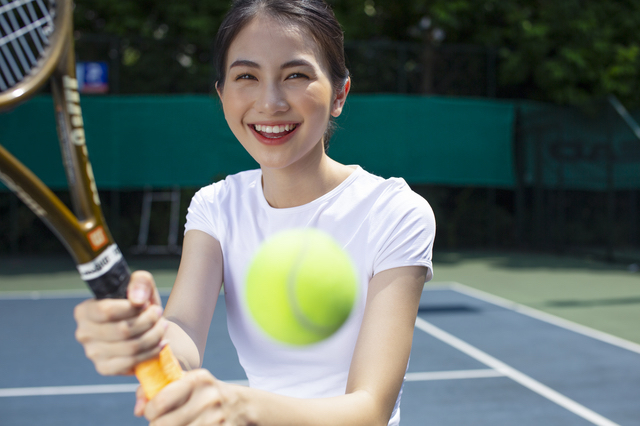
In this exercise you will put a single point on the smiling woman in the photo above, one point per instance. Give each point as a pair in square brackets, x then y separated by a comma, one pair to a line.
[276, 77]
[282, 80]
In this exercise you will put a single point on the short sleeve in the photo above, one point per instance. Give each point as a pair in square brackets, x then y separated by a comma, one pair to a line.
[201, 214]
[409, 227]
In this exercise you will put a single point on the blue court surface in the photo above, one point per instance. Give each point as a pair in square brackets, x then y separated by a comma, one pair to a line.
[476, 360]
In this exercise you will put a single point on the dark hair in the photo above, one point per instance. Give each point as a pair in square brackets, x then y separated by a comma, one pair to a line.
[313, 15]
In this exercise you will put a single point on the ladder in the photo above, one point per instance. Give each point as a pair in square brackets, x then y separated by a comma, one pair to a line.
[150, 196]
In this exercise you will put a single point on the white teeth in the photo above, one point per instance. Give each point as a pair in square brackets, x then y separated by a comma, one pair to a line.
[274, 129]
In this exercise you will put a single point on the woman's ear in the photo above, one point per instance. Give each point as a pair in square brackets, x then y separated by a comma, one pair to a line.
[341, 98]
[219, 91]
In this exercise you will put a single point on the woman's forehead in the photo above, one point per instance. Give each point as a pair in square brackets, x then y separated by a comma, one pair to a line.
[265, 36]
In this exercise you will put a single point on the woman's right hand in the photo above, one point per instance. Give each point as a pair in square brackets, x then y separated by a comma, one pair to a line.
[117, 334]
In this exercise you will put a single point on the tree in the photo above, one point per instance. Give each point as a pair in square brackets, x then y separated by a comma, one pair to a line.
[567, 51]
[563, 51]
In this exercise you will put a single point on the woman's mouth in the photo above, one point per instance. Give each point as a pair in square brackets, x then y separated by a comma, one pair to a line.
[274, 132]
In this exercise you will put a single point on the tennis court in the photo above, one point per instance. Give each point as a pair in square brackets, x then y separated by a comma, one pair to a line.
[477, 359]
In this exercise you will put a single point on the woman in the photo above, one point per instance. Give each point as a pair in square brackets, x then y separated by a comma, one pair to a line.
[281, 80]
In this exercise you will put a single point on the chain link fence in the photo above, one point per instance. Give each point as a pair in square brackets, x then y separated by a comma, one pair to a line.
[142, 66]
[568, 197]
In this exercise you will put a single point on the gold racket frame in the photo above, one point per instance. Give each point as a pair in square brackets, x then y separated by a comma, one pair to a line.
[84, 234]
[39, 74]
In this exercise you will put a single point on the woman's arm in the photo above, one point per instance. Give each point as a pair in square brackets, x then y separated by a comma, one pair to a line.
[375, 378]
[193, 298]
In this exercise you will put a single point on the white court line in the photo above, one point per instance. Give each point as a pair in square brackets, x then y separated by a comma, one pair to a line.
[80, 390]
[130, 388]
[514, 374]
[543, 316]
[44, 294]
[67, 390]
[57, 294]
[452, 375]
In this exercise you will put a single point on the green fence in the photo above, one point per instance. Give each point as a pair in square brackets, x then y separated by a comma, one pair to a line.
[161, 141]
[497, 172]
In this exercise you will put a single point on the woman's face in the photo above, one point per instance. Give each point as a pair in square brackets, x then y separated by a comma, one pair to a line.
[277, 96]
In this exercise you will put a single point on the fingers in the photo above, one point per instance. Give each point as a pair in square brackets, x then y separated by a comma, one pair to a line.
[120, 324]
[196, 398]
[118, 334]
[106, 310]
[142, 289]
[113, 355]
[141, 402]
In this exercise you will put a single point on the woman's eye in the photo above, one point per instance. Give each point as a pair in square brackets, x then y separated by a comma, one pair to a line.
[296, 75]
[245, 77]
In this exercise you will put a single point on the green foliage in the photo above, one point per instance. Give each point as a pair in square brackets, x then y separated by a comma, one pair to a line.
[196, 20]
[566, 52]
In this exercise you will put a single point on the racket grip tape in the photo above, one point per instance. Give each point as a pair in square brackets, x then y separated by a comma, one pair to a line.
[154, 374]
[107, 275]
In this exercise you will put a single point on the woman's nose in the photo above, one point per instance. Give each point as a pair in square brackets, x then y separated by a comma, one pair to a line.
[272, 99]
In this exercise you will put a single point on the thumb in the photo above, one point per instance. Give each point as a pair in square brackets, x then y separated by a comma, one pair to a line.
[141, 402]
[142, 289]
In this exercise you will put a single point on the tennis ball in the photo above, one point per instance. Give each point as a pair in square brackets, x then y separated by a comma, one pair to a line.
[301, 286]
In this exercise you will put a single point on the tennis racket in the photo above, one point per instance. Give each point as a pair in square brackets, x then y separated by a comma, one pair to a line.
[36, 46]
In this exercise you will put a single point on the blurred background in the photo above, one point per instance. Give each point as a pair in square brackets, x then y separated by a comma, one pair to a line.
[507, 115]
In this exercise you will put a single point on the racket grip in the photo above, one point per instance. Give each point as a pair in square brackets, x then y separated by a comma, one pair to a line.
[154, 374]
[107, 275]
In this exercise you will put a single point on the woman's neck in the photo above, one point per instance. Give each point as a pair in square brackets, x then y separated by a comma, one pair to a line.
[300, 184]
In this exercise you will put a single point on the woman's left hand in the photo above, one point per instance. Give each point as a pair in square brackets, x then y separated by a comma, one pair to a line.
[198, 398]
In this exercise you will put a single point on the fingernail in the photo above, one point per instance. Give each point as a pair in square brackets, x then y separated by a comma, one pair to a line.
[138, 408]
[163, 343]
[140, 294]
[159, 310]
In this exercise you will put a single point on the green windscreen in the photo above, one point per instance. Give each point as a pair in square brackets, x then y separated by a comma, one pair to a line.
[161, 141]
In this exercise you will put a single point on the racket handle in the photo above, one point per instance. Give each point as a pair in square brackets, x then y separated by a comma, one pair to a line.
[108, 276]
[154, 374]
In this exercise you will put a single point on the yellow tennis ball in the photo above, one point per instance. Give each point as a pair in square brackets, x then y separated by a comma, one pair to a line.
[301, 286]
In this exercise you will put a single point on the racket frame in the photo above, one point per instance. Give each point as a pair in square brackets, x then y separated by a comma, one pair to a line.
[83, 232]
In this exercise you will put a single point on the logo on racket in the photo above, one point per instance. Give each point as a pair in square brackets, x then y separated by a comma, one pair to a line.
[97, 238]
[77, 132]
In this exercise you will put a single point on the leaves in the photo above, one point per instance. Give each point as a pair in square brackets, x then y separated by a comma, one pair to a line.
[564, 51]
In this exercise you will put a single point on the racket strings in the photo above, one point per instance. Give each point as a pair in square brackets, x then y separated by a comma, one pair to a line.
[25, 30]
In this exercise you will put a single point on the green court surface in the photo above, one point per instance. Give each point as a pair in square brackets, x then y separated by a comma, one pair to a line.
[603, 296]
[58, 274]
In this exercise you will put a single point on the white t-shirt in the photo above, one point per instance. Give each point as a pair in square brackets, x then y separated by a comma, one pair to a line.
[381, 223]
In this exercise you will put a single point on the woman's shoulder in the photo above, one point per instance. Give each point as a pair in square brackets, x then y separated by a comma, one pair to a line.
[231, 184]
[392, 191]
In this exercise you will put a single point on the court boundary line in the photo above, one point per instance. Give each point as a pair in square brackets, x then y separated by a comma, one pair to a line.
[452, 375]
[515, 375]
[544, 316]
[57, 294]
[131, 387]
[80, 389]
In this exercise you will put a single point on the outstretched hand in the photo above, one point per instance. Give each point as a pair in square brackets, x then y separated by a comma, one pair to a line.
[117, 334]
[197, 398]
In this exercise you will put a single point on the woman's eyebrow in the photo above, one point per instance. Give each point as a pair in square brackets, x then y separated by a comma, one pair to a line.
[296, 63]
[289, 64]
[244, 63]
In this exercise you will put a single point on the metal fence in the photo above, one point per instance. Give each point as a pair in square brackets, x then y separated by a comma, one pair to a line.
[575, 173]
[578, 180]
[142, 65]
